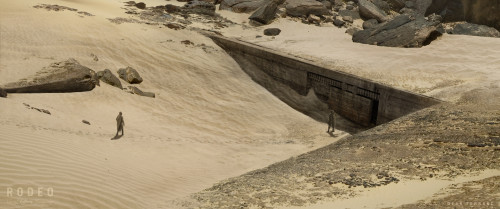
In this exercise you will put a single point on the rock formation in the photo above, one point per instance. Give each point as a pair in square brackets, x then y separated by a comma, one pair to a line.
[108, 77]
[130, 75]
[484, 12]
[474, 30]
[200, 7]
[402, 31]
[368, 10]
[298, 8]
[59, 77]
[265, 13]
[241, 6]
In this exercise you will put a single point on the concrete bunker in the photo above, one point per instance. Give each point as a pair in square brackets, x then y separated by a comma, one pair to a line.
[365, 103]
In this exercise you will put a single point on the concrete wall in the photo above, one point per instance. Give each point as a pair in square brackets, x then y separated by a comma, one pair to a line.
[360, 100]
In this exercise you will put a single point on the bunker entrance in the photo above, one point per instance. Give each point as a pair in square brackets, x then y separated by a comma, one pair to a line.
[361, 102]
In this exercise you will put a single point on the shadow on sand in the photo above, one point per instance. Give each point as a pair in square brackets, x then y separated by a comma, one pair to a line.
[117, 137]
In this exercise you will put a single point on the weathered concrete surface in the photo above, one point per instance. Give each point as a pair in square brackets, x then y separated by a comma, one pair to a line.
[59, 77]
[360, 100]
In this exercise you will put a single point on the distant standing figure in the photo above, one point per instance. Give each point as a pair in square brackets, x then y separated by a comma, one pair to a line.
[119, 123]
[331, 122]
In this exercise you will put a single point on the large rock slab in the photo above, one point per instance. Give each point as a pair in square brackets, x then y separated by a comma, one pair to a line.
[368, 10]
[298, 8]
[402, 31]
[130, 75]
[474, 30]
[241, 6]
[59, 77]
[108, 77]
[265, 13]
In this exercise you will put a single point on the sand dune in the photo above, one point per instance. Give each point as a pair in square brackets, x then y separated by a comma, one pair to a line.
[210, 121]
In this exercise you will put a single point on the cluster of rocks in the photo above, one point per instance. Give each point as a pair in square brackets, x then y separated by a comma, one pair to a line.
[70, 76]
[129, 75]
[175, 17]
[55, 7]
[393, 23]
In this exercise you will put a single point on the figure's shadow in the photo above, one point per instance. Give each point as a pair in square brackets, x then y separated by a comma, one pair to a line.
[332, 134]
[117, 137]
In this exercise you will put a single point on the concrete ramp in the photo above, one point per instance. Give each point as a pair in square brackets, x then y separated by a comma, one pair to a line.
[359, 100]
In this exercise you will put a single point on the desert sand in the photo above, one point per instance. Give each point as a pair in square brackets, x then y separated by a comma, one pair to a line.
[209, 120]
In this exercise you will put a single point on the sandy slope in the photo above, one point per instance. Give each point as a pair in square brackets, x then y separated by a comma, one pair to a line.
[210, 121]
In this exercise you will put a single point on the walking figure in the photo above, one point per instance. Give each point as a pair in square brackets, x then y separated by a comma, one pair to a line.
[331, 122]
[119, 123]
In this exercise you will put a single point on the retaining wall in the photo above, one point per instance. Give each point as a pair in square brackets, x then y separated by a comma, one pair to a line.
[360, 100]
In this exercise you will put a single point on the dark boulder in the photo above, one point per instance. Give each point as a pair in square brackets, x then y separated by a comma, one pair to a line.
[108, 77]
[3, 93]
[141, 5]
[368, 10]
[382, 4]
[241, 6]
[130, 75]
[338, 23]
[59, 77]
[450, 10]
[135, 90]
[298, 8]
[272, 31]
[474, 30]
[372, 23]
[402, 31]
[266, 13]
[86, 122]
[200, 7]
[172, 8]
[483, 12]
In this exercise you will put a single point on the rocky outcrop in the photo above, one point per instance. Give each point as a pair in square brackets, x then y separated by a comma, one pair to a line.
[135, 90]
[298, 8]
[108, 77]
[474, 30]
[3, 93]
[450, 10]
[141, 5]
[372, 23]
[241, 6]
[272, 31]
[368, 10]
[59, 77]
[265, 14]
[483, 12]
[402, 31]
[200, 7]
[130, 75]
